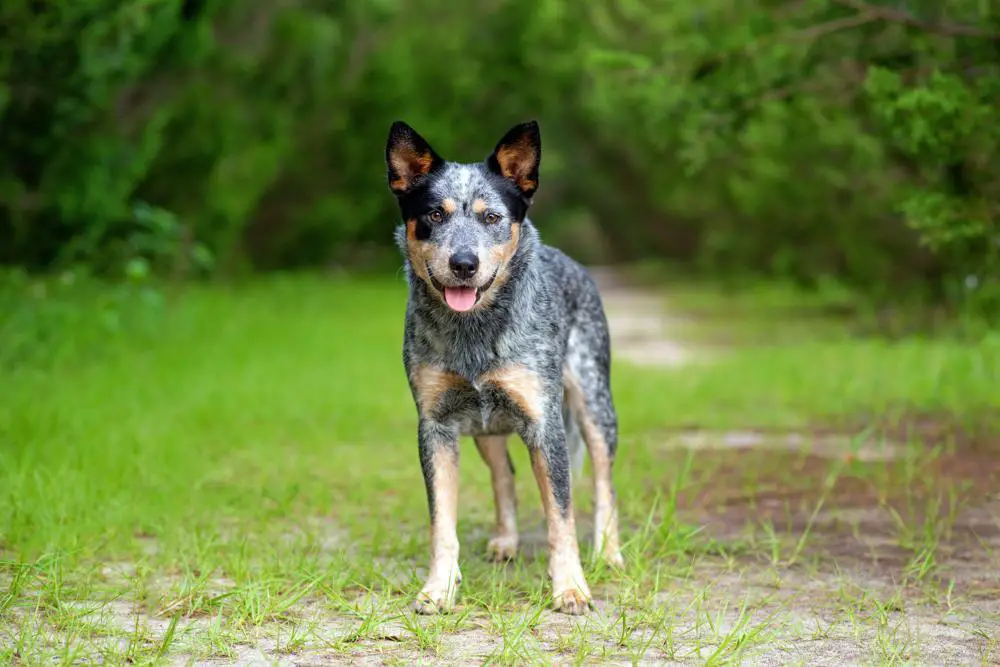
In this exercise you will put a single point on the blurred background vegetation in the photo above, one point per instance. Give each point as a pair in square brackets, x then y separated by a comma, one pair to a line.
[823, 141]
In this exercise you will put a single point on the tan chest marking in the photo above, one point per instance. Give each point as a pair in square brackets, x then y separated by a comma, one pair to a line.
[432, 383]
[522, 385]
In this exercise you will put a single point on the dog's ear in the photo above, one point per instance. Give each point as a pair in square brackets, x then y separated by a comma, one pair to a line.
[517, 157]
[409, 158]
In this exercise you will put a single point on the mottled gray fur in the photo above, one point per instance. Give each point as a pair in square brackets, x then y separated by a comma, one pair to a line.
[547, 315]
[540, 310]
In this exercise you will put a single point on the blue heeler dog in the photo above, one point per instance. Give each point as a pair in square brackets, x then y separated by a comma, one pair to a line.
[503, 335]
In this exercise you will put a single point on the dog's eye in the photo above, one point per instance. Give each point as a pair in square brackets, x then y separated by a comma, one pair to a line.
[435, 216]
[492, 217]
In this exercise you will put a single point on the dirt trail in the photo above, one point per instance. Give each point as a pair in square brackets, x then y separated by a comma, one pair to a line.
[640, 324]
[871, 555]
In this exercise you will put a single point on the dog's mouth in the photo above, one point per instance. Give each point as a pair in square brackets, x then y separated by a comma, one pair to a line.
[461, 298]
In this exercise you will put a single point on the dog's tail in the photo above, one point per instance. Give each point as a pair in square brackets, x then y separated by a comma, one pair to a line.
[574, 441]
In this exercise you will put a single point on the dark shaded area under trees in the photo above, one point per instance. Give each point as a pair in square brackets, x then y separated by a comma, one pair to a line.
[806, 139]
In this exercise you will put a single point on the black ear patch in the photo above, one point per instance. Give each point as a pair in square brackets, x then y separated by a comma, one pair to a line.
[517, 157]
[409, 158]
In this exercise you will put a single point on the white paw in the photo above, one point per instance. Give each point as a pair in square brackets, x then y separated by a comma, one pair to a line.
[438, 595]
[613, 558]
[572, 601]
[502, 547]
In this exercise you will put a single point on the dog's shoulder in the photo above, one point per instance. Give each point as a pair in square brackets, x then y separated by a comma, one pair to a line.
[567, 276]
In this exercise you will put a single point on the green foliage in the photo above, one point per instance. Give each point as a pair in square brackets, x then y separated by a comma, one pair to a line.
[72, 316]
[955, 209]
[817, 140]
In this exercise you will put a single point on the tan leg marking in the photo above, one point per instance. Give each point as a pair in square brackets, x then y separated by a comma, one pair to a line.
[431, 384]
[503, 544]
[444, 577]
[521, 384]
[606, 530]
[570, 592]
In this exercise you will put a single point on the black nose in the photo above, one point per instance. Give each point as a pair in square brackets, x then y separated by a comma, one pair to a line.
[464, 264]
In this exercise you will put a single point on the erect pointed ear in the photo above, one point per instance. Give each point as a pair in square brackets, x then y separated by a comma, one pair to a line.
[517, 156]
[408, 157]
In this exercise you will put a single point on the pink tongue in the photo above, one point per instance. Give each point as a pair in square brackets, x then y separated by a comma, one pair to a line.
[460, 298]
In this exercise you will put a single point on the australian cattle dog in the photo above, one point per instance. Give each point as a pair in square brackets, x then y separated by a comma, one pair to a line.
[504, 335]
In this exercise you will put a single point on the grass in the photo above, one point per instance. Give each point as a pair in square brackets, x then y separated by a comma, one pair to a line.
[232, 473]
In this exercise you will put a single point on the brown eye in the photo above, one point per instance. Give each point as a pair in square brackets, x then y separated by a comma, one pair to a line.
[492, 217]
[435, 216]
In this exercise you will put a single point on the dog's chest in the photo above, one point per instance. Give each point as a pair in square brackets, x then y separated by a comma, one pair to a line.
[500, 400]
[485, 410]
[487, 382]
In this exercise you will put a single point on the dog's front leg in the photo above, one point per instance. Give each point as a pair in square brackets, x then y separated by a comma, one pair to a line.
[439, 460]
[550, 463]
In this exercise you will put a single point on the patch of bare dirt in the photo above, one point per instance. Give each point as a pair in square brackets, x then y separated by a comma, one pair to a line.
[642, 331]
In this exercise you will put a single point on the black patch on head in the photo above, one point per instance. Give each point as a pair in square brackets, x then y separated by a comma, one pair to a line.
[414, 205]
[413, 166]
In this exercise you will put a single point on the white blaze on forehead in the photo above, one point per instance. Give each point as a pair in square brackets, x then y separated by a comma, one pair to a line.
[464, 184]
[457, 182]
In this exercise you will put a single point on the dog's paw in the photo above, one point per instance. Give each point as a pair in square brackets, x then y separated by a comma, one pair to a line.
[613, 559]
[502, 548]
[428, 604]
[572, 601]
[437, 598]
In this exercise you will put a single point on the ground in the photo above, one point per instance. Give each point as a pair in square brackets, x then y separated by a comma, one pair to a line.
[230, 477]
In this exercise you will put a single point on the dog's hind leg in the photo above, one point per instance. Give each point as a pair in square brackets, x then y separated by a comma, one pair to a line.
[592, 409]
[503, 544]
[606, 530]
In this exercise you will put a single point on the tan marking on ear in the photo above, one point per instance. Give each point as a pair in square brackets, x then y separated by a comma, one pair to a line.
[503, 543]
[431, 384]
[522, 385]
[408, 164]
[516, 161]
[478, 206]
[449, 206]
[569, 585]
[606, 531]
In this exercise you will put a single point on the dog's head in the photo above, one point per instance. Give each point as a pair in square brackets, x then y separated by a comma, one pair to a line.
[463, 221]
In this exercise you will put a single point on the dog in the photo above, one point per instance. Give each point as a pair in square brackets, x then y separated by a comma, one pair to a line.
[503, 335]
